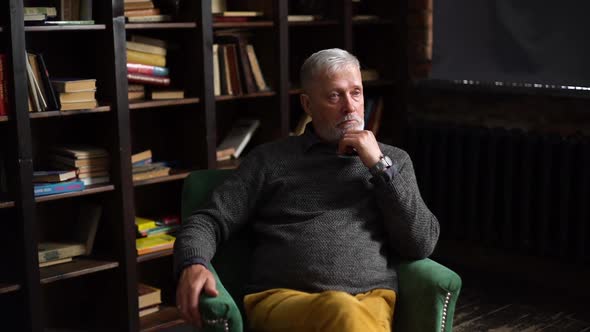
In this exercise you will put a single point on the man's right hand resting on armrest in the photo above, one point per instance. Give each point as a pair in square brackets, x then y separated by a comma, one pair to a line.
[193, 280]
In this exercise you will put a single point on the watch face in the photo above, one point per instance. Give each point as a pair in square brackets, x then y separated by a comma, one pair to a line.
[387, 161]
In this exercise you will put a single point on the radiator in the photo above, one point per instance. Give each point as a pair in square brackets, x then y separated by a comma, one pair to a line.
[509, 189]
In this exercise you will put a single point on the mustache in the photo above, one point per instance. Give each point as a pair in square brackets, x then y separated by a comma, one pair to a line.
[350, 117]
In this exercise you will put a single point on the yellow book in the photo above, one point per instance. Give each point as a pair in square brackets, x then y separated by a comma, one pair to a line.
[144, 224]
[146, 245]
[145, 48]
[146, 58]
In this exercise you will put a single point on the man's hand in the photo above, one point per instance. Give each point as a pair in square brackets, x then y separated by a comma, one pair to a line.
[365, 144]
[193, 280]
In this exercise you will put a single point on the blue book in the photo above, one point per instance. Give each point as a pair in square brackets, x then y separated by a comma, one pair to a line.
[58, 188]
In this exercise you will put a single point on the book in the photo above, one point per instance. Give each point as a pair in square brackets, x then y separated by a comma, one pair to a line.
[58, 188]
[35, 18]
[166, 94]
[140, 156]
[146, 58]
[75, 106]
[73, 84]
[48, 11]
[80, 151]
[148, 296]
[154, 173]
[256, 71]
[32, 60]
[236, 140]
[76, 97]
[149, 41]
[303, 18]
[147, 79]
[56, 261]
[51, 251]
[52, 99]
[137, 68]
[76, 22]
[160, 229]
[302, 124]
[243, 13]
[102, 162]
[149, 310]
[146, 245]
[146, 48]
[149, 18]
[92, 174]
[54, 176]
[138, 5]
[143, 224]
[95, 180]
[142, 12]
[34, 89]
[232, 68]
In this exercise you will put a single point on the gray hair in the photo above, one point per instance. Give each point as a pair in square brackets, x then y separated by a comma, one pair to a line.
[328, 61]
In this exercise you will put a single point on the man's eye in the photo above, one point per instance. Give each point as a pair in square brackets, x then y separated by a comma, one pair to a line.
[356, 93]
[334, 95]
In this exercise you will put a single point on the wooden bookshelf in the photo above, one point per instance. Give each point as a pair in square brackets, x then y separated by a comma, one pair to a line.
[88, 190]
[134, 105]
[8, 288]
[65, 27]
[171, 25]
[166, 317]
[154, 255]
[183, 131]
[50, 114]
[76, 268]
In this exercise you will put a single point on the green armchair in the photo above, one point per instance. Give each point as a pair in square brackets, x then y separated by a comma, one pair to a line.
[428, 291]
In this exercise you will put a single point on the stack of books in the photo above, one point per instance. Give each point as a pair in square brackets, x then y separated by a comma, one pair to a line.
[56, 182]
[236, 70]
[39, 14]
[143, 168]
[149, 227]
[149, 299]
[146, 66]
[75, 93]
[142, 11]
[233, 144]
[158, 235]
[91, 163]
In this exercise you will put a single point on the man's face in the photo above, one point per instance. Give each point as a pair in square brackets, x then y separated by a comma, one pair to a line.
[335, 103]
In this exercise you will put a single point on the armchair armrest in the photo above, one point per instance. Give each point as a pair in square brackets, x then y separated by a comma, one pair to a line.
[220, 313]
[428, 292]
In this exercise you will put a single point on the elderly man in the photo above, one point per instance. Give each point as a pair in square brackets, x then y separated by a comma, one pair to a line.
[331, 211]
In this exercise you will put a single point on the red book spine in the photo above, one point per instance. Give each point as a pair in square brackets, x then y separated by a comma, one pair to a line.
[145, 79]
[137, 68]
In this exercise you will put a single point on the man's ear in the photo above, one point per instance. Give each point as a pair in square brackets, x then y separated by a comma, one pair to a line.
[305, 103]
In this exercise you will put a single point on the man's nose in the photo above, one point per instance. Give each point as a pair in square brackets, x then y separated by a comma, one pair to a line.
[348, 104]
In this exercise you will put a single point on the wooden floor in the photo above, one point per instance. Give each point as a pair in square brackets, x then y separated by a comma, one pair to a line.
[507, 306]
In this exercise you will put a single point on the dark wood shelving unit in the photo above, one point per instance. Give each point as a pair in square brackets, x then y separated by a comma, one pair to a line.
[88, 190]
[183, 131]
[169, 25]
[154, 255]
[65, 27]
[8, 288]
[134, 105]
[76, 268]
[243, 25]
[166, 317]
[50, 114]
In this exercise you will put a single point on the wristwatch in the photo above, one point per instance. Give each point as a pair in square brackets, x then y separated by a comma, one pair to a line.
[383, 164]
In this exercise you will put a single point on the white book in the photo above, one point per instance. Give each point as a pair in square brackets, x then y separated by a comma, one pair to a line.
[216, 77]
[237, 138]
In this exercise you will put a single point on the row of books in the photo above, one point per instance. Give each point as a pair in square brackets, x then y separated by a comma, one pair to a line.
[64, 94]
[143, 168]
[146, 66]
[68, 12]
[236, 69]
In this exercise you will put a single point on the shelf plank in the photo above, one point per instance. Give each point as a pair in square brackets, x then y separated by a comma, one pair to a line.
[163, 25]
[257, 24]
[7, 204]
[168, 178]
[166, 317]
[66, 27]
[133, 105]
[49, 114]
[92, 189]
[317, 23]
[3, 118]
[154, 255]
[8, 288]
[78, 267]
[247, 96]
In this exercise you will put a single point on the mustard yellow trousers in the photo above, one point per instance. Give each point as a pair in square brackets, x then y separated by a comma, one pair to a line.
[285, 310]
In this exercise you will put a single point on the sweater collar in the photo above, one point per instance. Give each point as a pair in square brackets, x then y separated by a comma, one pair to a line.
[309, 139]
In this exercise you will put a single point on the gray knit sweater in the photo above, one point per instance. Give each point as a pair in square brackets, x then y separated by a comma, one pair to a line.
[321, 221]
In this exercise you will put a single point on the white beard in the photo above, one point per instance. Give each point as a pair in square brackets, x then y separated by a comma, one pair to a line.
[334, 134]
